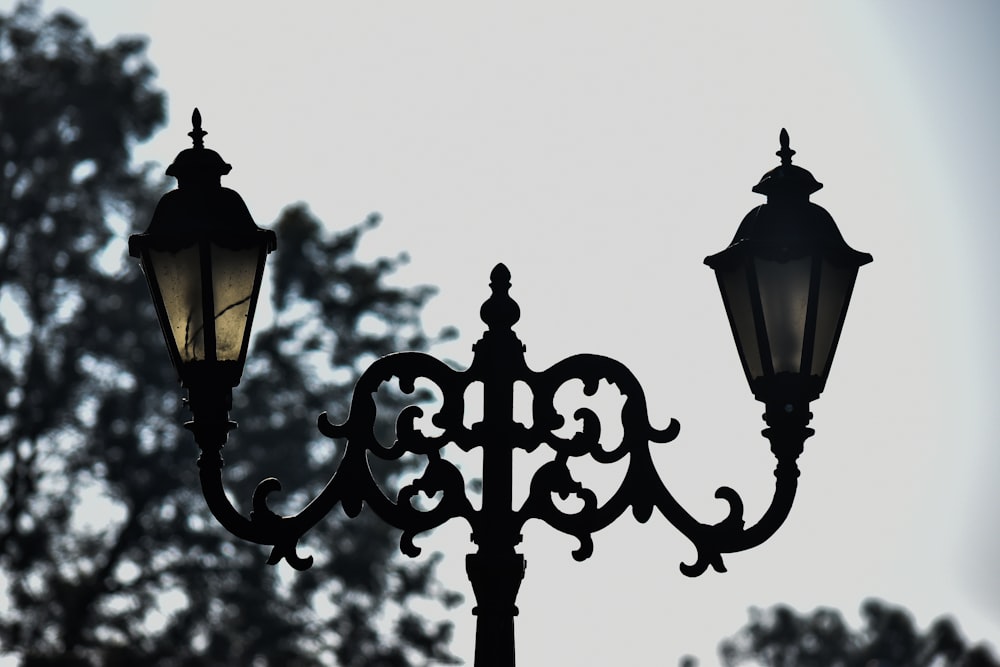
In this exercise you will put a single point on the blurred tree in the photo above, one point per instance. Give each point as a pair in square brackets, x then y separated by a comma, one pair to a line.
[107, 553]
[781, 637]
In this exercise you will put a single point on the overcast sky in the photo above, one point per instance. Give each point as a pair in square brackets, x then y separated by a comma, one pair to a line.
[602, 150]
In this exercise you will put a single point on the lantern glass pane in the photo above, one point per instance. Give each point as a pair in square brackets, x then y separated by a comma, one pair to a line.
[836, 283]
[784, 300]
[735, 289]
[234, 274]
[178, 275]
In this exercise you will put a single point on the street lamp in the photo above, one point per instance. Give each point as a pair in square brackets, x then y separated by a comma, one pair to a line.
[786, 281]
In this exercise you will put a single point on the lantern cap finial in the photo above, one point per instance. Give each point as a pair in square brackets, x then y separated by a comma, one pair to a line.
[198, 164]
[787, 180]
[197, 134]
[785, 153]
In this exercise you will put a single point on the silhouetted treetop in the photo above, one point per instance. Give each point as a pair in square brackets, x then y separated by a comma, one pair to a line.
[108, 555]
[782, 637]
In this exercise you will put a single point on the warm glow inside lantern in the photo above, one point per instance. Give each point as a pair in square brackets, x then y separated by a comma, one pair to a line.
[786, 281]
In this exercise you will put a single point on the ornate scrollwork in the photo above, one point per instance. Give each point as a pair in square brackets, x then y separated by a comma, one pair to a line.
[439, 476]
[555, 477]
[498, 364]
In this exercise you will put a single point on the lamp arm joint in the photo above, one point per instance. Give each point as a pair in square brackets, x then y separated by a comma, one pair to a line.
[787, 431]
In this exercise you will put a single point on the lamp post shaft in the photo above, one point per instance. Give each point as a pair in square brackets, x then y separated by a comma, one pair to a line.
[496, 569]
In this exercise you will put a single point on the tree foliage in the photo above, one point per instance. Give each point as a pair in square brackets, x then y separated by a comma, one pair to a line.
[108, 555]
[782, 637]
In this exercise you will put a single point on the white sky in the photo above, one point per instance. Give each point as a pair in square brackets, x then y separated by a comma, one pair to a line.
[602, 150]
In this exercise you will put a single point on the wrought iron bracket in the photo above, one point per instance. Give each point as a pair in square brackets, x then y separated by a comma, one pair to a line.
[498, 363]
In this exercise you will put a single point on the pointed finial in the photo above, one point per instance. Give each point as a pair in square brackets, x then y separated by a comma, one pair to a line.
[197, 134]
[500, 276]
[785, 153]
[500, 311]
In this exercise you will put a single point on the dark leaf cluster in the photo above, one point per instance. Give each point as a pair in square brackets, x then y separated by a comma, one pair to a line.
[782, 637]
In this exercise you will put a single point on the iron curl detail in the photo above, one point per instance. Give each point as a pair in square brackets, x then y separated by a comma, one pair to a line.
[498, 365]
[555, 477]
[439, 475]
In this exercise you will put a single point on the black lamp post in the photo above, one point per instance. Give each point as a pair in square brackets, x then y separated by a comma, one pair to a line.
[786, 281]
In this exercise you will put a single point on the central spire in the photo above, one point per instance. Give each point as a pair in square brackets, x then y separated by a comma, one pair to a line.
[500, 311]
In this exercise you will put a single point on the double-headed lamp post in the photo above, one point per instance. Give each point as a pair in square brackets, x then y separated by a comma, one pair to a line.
[786, 281]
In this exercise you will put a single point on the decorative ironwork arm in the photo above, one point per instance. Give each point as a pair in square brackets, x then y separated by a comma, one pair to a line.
[359, 486]
[352, 484]
[496, 569]
[210, 405]
[498, 364]
[642, 489]
[555, 476]
[787, 431]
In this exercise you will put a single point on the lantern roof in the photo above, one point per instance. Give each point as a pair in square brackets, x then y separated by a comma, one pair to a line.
[200, 208]
[788, 224]
[198, 163]
[787, 179]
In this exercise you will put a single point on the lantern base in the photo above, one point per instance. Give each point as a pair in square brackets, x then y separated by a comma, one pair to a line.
[210, 424]
[783, 389]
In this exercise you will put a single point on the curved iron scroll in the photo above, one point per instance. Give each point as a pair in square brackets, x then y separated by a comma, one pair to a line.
[498, 363]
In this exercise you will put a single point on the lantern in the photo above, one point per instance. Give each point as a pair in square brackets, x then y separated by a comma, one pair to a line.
[203, 258]
[786, 281]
